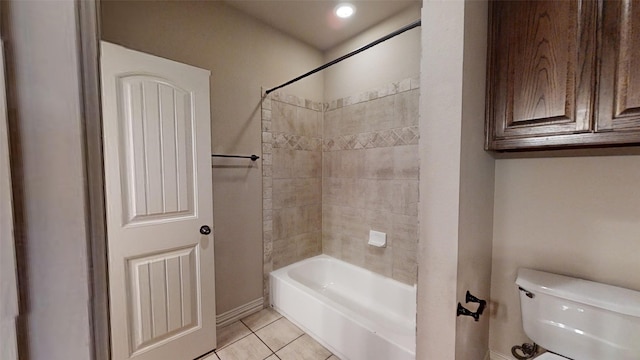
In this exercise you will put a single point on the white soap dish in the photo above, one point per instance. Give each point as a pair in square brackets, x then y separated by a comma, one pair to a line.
[377, 238]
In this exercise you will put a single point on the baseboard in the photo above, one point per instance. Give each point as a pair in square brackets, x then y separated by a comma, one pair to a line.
[496, 356]
[240, 312]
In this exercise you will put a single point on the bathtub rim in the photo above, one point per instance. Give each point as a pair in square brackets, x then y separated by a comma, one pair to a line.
[284, 269]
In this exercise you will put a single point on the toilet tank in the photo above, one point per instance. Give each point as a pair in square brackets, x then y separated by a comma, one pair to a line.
[580, 319]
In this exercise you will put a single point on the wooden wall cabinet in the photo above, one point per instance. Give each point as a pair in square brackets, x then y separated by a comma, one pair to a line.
[563, 74]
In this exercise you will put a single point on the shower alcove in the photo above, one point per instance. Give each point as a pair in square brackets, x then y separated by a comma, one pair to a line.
[333, 171]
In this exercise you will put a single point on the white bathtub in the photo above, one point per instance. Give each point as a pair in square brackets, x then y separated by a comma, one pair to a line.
[355, 313]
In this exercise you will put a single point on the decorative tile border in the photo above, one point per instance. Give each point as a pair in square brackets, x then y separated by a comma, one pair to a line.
[376, 139]
[296, 101]
[390, 89]
[296, 142]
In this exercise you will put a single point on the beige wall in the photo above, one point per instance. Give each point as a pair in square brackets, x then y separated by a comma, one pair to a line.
[456, 199]
[46, 131]
[575, 216]
[243, 55]
[383, 64]
[370, 179]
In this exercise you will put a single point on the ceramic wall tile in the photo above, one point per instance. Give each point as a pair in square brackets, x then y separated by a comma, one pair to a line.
[296, 194]
[353, 250]
[331, 122]
[353, 119]
[406, 109]
[309, 245]
[331, 244]
[378, 163]
[370, 178]
[284, 252]
[379, 260]
[379, 114]
[404, 265]
[406, 162]
[310, 122]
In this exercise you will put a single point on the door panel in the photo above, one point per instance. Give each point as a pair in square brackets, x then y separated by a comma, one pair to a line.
[541, 68]
[164, 298]
[158, 185]
[619, 98]
[158, 165]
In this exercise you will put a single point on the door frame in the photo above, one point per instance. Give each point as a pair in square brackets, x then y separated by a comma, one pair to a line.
[88, 16]
[8, 270]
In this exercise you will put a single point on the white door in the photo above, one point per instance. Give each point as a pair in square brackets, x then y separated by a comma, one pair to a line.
[157, 157]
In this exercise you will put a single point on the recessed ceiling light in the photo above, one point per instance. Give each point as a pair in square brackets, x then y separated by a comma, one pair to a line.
[345, 10]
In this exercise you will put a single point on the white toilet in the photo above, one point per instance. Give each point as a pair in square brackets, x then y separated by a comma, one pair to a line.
[579, 319]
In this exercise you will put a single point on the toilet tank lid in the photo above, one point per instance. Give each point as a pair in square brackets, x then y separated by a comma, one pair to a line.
[612, 298]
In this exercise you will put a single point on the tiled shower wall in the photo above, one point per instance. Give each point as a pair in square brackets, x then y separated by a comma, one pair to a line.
[331, 176]
[292, 180]
[370, 179]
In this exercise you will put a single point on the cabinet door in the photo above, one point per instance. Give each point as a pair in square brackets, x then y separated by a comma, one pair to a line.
[619, 96]
[541, 72]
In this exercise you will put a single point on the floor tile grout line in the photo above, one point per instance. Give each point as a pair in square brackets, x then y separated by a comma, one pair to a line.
[263, 326]
[215, 351]
[257, 336]
[265, 344]
[250, 332]
[290, 342]
[273, 352]
[287, 344]
[231, 343]
[236, 340]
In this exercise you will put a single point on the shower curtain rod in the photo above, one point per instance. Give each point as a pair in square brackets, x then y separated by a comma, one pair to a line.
[357, 51]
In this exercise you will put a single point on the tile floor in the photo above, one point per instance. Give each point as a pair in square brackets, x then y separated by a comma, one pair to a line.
[267, 335]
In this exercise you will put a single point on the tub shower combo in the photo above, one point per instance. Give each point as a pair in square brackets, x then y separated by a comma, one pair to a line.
[340, 215]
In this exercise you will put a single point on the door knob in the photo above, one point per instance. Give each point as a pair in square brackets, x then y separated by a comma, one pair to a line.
[205, 230]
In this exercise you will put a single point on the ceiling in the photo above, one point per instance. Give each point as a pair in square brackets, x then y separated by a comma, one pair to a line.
[313, 21]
